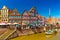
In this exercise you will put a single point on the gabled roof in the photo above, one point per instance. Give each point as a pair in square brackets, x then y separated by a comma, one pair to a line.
[25, 13]
[11, 12]
[33, 8]
[14, 10]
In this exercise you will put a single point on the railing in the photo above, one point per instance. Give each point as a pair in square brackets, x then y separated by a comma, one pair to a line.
[7, 34]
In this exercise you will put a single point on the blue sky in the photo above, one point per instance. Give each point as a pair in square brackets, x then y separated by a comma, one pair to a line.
[41, 5]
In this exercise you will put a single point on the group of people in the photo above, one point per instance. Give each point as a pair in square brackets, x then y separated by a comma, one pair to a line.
[34, 28]
[37, 28]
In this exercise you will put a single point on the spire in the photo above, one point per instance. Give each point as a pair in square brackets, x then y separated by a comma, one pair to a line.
[49, 13]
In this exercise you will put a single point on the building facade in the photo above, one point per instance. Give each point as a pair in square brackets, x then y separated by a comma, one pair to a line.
[41, 20]
[14, 16]
[25, 19]
[33, 15]
[4, 14]
[51, 20]
[0, 15]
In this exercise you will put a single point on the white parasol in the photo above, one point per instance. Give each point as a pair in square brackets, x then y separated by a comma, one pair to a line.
[15, 23]
[3, 24]
[9, 23]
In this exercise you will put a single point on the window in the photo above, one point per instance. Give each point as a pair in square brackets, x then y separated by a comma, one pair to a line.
[35, 14]
[13, 20]
[41, 19]
[6, 19]
[32, 10]
[9, 20]
[3, 20]
[5, 11]
[32, 14]
[6, 15]
[14, 12]
[17, 20]
[13, 16]
[16, 16]
[19, 16]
